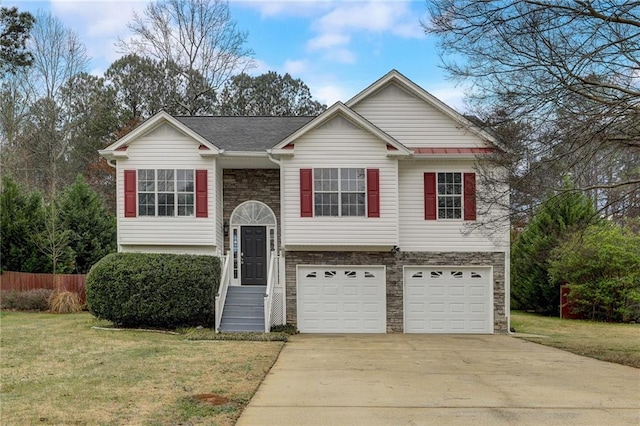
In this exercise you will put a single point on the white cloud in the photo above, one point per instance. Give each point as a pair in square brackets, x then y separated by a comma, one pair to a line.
[395, 17]
[449, 94]
[297, 8]
[261, 67]
[343, 56]
[328, 40]
[99, 24]
[296, 67]
[338, 27]
[328, 93]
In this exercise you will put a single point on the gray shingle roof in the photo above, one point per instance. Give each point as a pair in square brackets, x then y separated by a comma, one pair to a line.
[244, 133]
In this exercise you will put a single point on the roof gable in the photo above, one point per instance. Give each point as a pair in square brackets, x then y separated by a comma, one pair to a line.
[397, 83]
[118, 148]
[340, 109]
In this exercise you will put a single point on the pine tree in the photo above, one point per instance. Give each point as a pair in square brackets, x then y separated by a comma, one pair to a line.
[92, 230]
[21, 217]
[559, 216]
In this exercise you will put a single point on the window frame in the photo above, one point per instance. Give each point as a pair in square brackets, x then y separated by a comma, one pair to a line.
[458, 211]
[344, 188]
[167, 186]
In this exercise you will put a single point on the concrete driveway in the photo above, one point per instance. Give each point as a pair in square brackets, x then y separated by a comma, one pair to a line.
[398, 379]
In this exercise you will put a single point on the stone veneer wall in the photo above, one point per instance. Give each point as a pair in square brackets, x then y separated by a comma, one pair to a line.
[394, 264]
[240, 185]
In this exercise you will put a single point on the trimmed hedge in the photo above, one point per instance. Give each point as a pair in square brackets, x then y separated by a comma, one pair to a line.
[154, 290]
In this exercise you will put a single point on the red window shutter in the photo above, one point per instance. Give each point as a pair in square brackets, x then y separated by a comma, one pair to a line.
[202, 194]
[430, 196]
[469, 196]
[130, 202]
[306, 192]
[373, 193]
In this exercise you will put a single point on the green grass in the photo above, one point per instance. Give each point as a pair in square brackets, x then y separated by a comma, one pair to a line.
[619, 343]
[56, 369]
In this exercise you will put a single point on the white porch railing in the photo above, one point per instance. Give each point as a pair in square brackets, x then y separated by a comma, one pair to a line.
[272, 276]
[221, 297]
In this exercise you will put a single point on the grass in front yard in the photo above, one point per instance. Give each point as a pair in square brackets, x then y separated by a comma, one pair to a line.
[619, 343]
[56, 369]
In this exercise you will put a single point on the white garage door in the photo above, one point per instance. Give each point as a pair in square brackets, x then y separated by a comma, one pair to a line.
[448, 300]
[341, 299]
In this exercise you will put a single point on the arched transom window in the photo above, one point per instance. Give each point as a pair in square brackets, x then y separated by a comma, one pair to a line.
[252, 213]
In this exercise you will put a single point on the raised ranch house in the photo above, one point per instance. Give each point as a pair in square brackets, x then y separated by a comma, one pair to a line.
[359, 220]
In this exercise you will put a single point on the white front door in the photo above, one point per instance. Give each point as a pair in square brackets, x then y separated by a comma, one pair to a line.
[448, 299]
[341, 299]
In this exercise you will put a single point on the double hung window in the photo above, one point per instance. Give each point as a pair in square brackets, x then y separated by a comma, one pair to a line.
[339, 192]
[165, 192]
[449, 195]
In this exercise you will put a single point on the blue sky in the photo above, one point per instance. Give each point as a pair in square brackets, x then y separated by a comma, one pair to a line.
[336, 47]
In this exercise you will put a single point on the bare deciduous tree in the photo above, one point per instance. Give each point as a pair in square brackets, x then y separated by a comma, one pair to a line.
[567, 71]
[41, 145]
[199, 36]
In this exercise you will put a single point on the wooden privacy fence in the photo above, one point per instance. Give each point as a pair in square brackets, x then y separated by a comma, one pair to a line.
[24, 281]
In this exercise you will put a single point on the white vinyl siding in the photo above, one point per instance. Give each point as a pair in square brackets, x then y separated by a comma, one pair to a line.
[166, 148]
[339, 144]
[179, 249]
[413, 122]
[418, 234]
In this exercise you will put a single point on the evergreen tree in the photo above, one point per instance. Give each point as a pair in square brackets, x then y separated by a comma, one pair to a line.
[21, 216]
[557, 217]
[92, 230]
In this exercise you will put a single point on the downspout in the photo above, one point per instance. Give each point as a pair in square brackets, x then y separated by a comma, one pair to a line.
[279, 163]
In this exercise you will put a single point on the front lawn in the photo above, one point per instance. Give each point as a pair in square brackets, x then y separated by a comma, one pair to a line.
[56, 369]
[619, 343]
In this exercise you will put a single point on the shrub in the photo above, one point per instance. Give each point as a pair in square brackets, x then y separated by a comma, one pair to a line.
[64, 302]
[602, 268]
[560, 215]
[31, 300]
[284, 328]
[154, 290]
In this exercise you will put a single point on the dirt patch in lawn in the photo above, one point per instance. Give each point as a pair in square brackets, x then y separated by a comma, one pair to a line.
[212, 398]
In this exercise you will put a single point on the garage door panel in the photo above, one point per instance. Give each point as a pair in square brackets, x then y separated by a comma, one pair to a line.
[435, 290]
[330, 290]
[457, 308]
[351, 308]
[311, 290]
[448, 300]
[350, 290]
[457, 291]
[348, 299]
[477, 308]
[436, 307]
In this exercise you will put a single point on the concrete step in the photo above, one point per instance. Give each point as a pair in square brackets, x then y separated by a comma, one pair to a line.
[234, 328]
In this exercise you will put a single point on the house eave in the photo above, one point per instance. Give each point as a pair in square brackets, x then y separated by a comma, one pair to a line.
[341, 248]
[251, 154]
